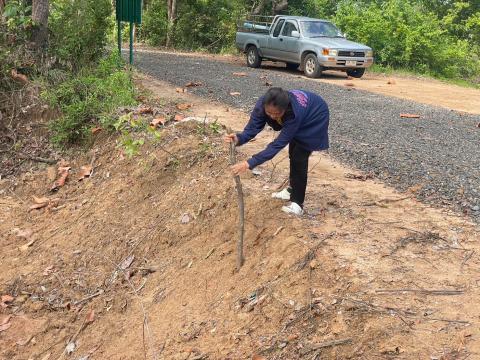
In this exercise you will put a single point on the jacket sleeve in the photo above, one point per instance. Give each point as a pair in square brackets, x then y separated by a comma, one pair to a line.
[257, 122]
[288, 132]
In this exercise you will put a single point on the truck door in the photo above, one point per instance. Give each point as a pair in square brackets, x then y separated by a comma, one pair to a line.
[273, 48]
[290, 46]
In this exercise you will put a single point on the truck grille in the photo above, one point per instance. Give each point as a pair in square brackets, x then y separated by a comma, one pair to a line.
[347, 53]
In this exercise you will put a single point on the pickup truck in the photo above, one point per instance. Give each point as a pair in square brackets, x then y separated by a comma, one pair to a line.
[314, 45]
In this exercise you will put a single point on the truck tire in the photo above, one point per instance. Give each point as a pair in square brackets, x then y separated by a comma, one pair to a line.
[253, 58]
[292, 66]
[356, 73]
[311, 67]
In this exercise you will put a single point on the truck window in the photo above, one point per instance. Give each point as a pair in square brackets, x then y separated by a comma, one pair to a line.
[276, 32]
[288, 28]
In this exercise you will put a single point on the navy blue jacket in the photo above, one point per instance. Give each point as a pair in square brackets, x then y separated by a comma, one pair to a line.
[306, 124]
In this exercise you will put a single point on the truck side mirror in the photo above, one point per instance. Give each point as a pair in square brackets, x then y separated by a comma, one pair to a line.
[295, 34]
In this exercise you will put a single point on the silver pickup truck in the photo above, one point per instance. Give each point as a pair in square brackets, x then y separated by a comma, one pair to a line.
[314, 45]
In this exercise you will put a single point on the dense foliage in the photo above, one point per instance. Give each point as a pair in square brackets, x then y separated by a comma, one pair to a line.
[74, 71]
[437, 37]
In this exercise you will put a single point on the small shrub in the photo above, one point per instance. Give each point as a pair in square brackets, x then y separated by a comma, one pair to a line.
[88, 98]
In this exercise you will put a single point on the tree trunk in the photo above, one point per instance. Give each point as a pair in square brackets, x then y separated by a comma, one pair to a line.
[172, 18]
[276, 6]
[40, 10]
[2, 5]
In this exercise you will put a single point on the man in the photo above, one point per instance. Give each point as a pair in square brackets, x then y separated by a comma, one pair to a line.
[302, 118]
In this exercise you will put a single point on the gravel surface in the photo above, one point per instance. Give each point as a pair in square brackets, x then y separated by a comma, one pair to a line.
[439, 153]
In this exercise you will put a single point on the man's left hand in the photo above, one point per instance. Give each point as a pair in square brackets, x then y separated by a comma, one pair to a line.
[239, 168]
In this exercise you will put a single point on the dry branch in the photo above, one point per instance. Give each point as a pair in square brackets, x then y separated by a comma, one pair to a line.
[241, 207]
[420, 291]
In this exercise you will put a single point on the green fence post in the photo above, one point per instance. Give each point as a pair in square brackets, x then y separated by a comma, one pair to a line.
[119, 37]
[131, 42]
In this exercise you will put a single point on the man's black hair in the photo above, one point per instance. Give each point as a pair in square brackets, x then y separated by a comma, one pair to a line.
[277, 97]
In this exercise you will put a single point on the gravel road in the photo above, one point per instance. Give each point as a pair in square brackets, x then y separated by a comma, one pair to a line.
[439, 153]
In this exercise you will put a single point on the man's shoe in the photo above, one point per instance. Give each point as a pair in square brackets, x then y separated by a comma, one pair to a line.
[283, 195]
[293, 208]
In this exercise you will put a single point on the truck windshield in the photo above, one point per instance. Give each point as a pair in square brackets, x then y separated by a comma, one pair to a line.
[313, 29]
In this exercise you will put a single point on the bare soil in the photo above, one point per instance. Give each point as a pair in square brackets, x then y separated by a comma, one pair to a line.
[367, 273]
[420, 89]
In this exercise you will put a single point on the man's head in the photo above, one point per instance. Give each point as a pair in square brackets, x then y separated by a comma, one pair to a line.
[275, 103]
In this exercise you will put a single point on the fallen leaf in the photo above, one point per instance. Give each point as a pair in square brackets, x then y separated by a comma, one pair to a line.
[391, 82]
[85, 171]
[5, 326]
[96, 130]
[63, 172]
[145, 110]
[268, 83]
[158, 121]
[350, 84]
[127, 262]
[410, 116]
[5, 320]
[184, 106]
[37, 206]
[193, 84]
[415, 188]
[180, 90]
[7, 298]
[18, 77]
[90, 316]
[235, 93]
[179, 117]
[239, 74]
[41, 200]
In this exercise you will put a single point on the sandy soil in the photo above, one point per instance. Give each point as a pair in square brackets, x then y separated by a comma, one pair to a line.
[422, 90]
[380, 273]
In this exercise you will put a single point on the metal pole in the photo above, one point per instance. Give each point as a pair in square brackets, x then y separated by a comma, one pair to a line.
[131, 43]
[119, 37]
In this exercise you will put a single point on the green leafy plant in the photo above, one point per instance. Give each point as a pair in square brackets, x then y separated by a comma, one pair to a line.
[88, 98]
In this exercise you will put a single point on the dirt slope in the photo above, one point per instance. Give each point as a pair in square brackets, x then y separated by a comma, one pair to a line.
[306, 282]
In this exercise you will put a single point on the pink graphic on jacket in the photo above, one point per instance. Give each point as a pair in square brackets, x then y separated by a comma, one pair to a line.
[301, 97]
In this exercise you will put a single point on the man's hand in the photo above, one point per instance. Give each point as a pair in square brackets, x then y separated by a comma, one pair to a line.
[239, 168]
[231, 138]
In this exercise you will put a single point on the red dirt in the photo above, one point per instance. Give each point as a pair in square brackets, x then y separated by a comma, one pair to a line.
[316, 279]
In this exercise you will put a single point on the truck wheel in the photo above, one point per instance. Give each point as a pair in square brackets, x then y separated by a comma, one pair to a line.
[356, 73]
[292, 66]
[311, 67]
[253, 58]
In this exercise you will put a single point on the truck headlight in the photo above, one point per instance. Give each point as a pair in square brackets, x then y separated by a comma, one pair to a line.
[369, 53]
[329, 52]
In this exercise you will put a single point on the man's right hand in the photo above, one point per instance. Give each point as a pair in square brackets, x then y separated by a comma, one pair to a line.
[229, 138]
